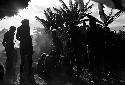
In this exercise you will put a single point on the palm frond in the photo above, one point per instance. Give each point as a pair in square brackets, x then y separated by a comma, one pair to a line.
[50, 12]
[114, 17]
[58, 11]
[86, 5]
[118, 14]
[89, 7]
[47, 16]
[64, 5]
[44, 22]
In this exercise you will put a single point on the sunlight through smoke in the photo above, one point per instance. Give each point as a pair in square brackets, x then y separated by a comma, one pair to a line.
[35, 8]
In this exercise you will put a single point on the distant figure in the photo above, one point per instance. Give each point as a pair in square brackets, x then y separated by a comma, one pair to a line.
[95, 44]
[57, 42]
[8, 43]
[1, 72]
[26, 50]
[47, 64]
[41, 66]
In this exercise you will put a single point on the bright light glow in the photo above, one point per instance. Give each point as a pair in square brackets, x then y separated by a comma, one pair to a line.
[22, 13]
[25, 13]
[32, 10]
[35, 8]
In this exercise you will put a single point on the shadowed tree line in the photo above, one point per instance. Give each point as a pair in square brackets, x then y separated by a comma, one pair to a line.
[79, 45]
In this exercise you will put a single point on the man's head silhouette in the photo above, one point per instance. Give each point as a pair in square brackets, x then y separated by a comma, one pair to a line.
[12, 28]
[25, 27]
[25, 21]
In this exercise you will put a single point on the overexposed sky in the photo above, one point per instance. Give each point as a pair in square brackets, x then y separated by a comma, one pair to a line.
[36, 8]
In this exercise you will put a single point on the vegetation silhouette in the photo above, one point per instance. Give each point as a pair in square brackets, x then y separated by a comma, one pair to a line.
[80, 46]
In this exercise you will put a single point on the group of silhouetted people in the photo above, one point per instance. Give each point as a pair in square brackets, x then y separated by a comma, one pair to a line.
[26, 51]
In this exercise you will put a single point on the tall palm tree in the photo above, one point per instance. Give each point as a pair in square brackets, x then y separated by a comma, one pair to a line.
[64, 19]
[62, 25]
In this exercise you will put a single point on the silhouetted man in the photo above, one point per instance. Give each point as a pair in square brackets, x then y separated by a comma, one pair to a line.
[26, 50]
[8, 43]
[57, 41]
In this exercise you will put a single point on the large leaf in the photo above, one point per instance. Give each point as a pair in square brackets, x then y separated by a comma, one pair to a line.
[112, 18]
[44, 22]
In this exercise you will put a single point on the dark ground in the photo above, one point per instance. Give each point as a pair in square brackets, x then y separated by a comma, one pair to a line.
[56, 81]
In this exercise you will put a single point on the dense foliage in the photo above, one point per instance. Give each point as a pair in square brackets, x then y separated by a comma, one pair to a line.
[82, 51]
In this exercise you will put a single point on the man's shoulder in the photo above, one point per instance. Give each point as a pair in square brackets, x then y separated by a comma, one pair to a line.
[19, 27]
[7, 33]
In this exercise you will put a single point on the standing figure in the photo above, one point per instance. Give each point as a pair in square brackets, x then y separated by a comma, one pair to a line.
[26, 51]
[57, 42]
[95, 45]
[8, 43]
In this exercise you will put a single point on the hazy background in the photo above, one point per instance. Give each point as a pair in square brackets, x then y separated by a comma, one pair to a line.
[36, 8]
